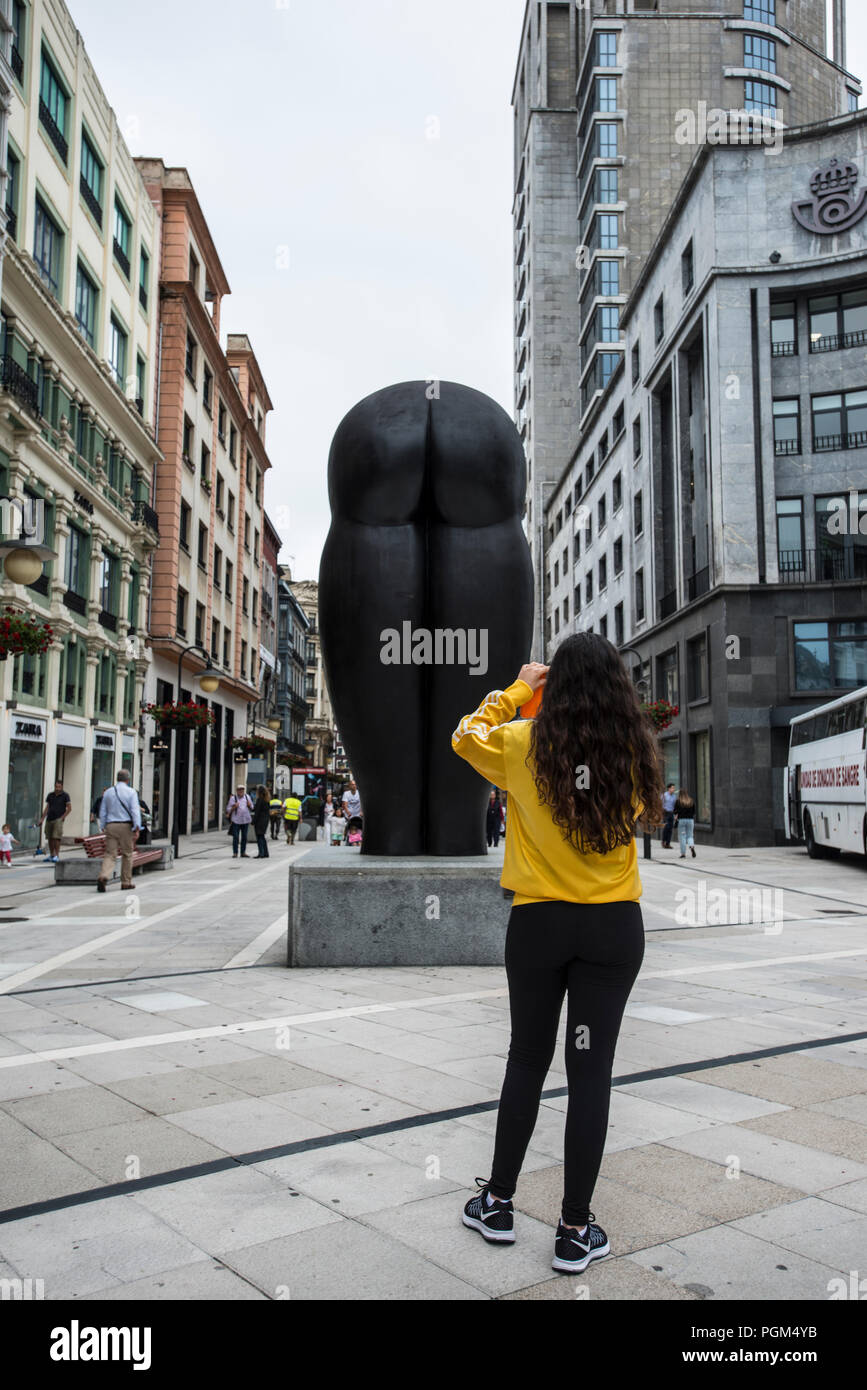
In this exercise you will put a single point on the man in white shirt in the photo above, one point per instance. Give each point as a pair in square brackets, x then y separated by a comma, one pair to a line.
[351, 801]
[120, 819]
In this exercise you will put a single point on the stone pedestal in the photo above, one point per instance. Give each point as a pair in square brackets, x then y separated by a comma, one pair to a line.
[346, 908]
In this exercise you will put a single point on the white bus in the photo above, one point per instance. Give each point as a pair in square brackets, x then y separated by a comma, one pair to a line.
[825, 795]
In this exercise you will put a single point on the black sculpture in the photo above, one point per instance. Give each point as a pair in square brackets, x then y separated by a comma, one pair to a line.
[425, 579]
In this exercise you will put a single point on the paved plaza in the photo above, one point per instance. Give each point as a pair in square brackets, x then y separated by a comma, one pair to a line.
[181, 1116]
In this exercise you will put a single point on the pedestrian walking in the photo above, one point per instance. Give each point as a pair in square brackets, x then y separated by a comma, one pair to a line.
[291, 817]
[684, 814]
[668, 803]
[575, 928]
[351, 801]
[240, 813]
[327, 816]
[494, 820]
[261, 819]
[120, 822]
[275, 807]
[7, 840]
[58, 805]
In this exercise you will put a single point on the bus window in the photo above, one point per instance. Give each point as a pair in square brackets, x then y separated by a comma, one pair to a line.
[836, 722]
[802, 733]
[820, 726]
[855, 715]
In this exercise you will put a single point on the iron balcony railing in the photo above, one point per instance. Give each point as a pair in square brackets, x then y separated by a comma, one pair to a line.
[832, 342]
[788, 349]
[827, 443]
[58, 139]
[698, 583]
[19, 383]
[786, 446]
[17, 63]
[822, 566]
[668, 604]
[147, 516]
[91, 200]
[121, 257]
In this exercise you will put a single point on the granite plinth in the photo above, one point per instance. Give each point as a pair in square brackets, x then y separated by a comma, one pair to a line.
[86, 870]
[346, 908]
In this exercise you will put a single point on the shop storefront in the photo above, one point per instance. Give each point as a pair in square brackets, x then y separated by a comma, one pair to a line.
[24, 795]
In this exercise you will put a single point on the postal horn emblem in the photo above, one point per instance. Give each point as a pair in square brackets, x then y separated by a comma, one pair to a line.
[834, 206]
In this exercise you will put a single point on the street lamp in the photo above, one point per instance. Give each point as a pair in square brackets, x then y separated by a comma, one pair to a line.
[23, 560]
[209, 680]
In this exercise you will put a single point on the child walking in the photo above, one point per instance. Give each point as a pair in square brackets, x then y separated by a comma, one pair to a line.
[7, 840]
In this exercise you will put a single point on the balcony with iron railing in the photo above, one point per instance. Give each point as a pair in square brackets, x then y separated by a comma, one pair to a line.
[786, 349]
[18, 382]
[121, 257]
[90, 200]
[55, 134]
[833, 342]
[146, 516]
[828, 443]
[698, 584]
[16, 63]
[824, 566]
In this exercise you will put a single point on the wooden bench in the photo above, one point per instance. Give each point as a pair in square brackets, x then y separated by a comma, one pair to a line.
[74, 870]
[94, 848]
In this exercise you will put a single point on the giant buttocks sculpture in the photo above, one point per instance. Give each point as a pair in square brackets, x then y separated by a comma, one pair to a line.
[425, 603]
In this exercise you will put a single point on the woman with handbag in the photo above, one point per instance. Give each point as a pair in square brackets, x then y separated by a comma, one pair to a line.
[578, 777]
[240, 813]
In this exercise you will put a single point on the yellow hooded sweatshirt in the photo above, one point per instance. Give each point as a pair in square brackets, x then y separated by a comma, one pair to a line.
[539, 865]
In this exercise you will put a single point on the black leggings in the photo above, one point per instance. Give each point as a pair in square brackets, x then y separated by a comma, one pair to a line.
[593, 951]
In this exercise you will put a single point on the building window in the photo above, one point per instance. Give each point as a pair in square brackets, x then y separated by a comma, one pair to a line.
[122, 232]
[840, 421]
[606, 140]
[117, 350]
[215, 639]
[588, 587]
[144, 277]
[230, 511]
[606, 50]
[667, 677]
[618, 556]
[200, 625]
[230, 586]
[697, 667]
[760, 97]
[190, 363]
[205, 464]
[85, 305]
[617, 492]
[53, 107]
[784, 329]
[233, 443]
[639, 597]
[208, 389]
[556, 580]
[227, 646]
[638, 513]
[181, 614]
[12, 183]
[221, 494]
[606, 94]
[76, 562]
[184, 532]
[218, 567]
[221, 423]
[790, 534]
[608, 277]
[687, 269]
[608, 323]
[16, 56]
[48, 247]
[659, 320]
[106, 685]
[838, 321]
[760, 52]
[701, 765]
[618, 425]
[607, 186]
[91, 179]
[246, 533]
[203, 546]
[140, 375]
[618, 625]
[601, 511]
[603, 574]
[73, 674]
[761, 11]
[187, 446]
[830, 656]
[194, 270]
[787, 427]
[245, 595]
[841, 536]
[108, 583]
[244, 660]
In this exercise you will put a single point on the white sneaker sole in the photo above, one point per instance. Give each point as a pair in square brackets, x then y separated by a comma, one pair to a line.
[495, 1237]
[576, 1266]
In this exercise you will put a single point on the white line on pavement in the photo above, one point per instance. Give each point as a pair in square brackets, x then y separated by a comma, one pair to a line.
[87, 947]
[748, 964]
[230, 1030]
[259, 945]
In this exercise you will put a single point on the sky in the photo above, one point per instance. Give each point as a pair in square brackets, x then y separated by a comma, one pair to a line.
[353, 160]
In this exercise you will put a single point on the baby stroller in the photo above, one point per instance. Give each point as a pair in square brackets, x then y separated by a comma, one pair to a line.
[353, 830]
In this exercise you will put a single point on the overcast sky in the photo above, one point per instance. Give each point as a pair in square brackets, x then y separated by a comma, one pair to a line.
[354, 162]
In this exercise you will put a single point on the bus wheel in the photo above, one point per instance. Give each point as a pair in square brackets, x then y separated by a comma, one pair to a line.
[815, 851]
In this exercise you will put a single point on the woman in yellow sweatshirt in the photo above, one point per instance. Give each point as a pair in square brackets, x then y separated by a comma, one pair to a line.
[578, 776]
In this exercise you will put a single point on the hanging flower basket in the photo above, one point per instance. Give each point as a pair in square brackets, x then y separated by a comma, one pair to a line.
[253, 746]
[185, 716]
[661, 713]
[23, 636]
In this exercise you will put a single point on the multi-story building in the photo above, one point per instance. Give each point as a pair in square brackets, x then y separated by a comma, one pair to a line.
[713, 520]
[77, 445]
[293, 629]
[210, 410]
[319, 728]
[633, 88]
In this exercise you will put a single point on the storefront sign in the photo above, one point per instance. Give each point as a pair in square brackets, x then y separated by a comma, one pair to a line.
[104, 741]
[82, 502]
[28, 730]
[70, 735]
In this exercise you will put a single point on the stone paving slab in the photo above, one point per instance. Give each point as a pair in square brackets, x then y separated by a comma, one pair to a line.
[724, 1263]
[608, 1279]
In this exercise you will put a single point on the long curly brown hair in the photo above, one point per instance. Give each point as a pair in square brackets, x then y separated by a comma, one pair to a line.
[593, 750]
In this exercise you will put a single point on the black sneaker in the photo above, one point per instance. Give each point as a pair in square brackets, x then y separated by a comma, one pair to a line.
[496, 1223]
[572, 1252]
